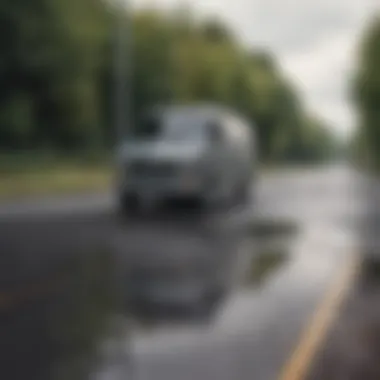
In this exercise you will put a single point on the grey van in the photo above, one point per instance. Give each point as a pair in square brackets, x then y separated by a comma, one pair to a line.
[206, 153]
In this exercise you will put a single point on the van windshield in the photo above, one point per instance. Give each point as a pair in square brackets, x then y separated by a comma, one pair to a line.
[149, 127]
[170, 128]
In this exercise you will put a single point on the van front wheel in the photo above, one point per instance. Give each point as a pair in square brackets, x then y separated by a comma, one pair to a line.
[129, 204]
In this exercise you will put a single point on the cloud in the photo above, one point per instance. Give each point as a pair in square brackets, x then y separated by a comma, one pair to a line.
[322, 73]
[313, 39]
[322, 62]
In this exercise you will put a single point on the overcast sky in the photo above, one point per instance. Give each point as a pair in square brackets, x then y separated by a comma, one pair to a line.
[314, 41]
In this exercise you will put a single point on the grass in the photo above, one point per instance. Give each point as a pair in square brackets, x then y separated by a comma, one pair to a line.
[43, 175]
[38, 174]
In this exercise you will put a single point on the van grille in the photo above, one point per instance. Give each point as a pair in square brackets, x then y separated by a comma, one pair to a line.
[152, 169]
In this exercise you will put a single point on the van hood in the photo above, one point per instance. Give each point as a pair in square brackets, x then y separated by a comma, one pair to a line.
[162, 151]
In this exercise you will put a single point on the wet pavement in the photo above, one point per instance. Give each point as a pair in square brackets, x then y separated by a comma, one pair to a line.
[351, 350]
[271, 261]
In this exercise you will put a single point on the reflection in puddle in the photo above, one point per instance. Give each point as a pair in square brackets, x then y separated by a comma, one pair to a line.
[272, 229]
[59, 332]
[83, 319]
[84, 326]
[75, 324]
[187, 278]
[185, 283]
[264, 264]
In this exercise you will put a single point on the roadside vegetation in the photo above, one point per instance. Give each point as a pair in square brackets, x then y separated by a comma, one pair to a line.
[31, 174]
[366, 93]
[57, 63]
[352, 349]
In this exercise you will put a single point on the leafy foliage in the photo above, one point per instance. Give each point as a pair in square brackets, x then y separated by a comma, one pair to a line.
[367, 96]
[57, 63]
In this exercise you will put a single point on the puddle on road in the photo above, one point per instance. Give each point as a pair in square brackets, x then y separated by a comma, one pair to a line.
[90, 313]
[267, 252]
[69, 321]
[84, 315]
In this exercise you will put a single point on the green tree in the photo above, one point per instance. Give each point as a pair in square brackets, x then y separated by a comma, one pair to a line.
[58, 80]
[50, 53]
[367, 94]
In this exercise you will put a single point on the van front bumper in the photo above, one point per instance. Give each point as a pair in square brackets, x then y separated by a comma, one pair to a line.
[155, 189]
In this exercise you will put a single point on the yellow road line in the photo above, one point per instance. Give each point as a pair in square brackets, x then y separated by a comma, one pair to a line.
[312, 338]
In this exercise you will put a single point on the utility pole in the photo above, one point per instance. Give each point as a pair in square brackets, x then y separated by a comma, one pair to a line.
[122, 69]
[123, 124]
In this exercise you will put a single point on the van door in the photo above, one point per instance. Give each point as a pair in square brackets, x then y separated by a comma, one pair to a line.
[220, 160]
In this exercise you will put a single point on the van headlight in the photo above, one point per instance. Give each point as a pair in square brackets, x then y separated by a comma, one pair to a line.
[191, 176]
[189, 179]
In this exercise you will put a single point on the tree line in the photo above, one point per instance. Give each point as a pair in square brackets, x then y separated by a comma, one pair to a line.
[57, 69]
[366, 94]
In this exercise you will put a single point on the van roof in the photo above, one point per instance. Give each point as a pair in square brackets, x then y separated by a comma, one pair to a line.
[200, 111]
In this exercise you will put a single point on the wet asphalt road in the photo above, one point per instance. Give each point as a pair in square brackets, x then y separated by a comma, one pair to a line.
[254, 329]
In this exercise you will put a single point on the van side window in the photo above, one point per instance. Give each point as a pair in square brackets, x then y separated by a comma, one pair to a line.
[150, 126]
[234, 128]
